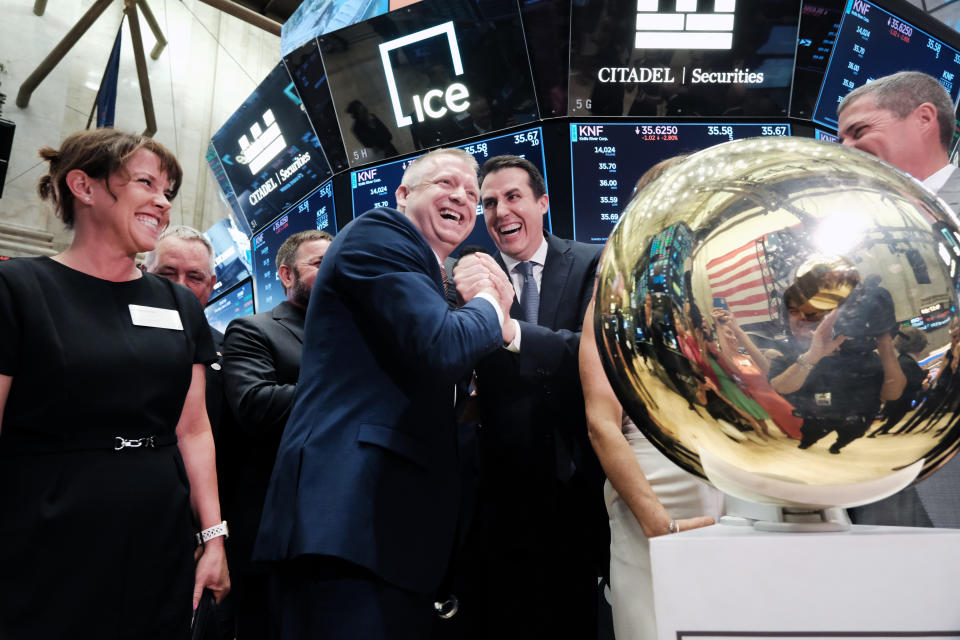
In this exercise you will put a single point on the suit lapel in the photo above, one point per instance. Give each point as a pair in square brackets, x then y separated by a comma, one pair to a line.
[288, 318]
[556, 274]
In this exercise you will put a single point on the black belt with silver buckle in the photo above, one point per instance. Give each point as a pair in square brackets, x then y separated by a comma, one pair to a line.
[19, 445]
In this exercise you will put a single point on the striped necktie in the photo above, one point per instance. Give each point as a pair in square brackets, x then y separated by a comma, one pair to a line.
[529, 294]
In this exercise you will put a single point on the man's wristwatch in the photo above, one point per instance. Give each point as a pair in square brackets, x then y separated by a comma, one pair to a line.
[215, 531]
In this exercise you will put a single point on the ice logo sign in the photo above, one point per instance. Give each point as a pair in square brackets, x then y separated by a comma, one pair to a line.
[266, 145]
[437, 101]
[686, 27]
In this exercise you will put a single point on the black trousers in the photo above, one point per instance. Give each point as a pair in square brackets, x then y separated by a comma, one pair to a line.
[324, 597]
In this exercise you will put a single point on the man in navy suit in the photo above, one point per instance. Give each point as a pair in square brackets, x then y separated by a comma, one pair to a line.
[541, 517]
[361, 512]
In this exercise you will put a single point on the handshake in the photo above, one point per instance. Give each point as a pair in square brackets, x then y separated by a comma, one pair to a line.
[479, 272]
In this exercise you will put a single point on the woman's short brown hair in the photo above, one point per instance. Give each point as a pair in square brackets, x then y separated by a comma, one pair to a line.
[99, 153]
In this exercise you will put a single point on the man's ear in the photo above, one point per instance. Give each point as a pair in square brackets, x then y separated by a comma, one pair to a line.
[544, 203]
[80, 185]
[401, 196]
[285, 273]
[926, 116]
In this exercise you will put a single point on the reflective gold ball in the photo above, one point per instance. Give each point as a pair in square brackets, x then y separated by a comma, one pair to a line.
[779, 317]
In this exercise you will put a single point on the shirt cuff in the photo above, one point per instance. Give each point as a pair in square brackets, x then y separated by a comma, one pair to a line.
[496, 305]
[514, 346]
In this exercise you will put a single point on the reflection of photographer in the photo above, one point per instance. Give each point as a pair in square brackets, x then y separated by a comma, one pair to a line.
[836, 378]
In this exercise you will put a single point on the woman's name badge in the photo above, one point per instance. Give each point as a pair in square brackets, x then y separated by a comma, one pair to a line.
[155, 317]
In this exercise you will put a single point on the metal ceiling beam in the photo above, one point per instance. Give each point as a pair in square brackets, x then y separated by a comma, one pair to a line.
[247, 15]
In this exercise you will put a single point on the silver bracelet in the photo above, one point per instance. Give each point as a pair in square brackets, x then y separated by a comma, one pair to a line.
[674, 528]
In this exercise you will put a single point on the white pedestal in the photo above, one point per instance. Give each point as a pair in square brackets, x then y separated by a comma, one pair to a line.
[873, 582]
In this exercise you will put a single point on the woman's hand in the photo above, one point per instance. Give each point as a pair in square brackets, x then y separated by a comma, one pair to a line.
[685, 524]
[211, 572]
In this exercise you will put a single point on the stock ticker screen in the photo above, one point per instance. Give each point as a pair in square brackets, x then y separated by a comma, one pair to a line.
[314, 212]
[607, 159]
[819, 25]
[269, 152]
[231, 251]
[375, 186]
[872, 43]
[234, 304]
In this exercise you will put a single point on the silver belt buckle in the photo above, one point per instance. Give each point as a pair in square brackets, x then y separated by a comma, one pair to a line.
[149, 442]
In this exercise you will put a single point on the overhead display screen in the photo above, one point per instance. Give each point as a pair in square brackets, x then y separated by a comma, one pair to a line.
[873, 43]
[428, 74]
[306, 69]
[269, 151]
[607, 160]
[375, 186]
[315, 212]
[682, 57]
[819, 24]
[236, 303]
[231, 251]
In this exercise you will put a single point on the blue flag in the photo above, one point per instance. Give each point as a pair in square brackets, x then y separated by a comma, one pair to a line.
[106, 102]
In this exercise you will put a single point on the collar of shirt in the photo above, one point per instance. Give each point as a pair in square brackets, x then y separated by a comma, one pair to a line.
[538, 259]
[936, 181]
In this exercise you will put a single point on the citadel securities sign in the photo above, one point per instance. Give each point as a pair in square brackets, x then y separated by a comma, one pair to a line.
[667, 75]
[455, 97]
[684, 28]
[683, 57]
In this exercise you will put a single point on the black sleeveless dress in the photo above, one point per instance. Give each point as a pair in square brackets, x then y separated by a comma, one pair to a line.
[94, 542]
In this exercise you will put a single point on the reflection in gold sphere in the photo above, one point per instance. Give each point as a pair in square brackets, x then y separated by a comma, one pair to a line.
[748, 309]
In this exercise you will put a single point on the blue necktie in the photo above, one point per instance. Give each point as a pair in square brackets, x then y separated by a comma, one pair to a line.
[529, 295]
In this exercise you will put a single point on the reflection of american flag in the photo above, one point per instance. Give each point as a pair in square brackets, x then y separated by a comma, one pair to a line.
[741, 277]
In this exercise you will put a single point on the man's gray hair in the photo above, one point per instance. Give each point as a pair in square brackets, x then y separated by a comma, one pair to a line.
[186, 233]
[902, 92]
[413, 175]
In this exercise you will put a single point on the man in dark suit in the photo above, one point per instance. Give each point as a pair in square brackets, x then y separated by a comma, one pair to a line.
[261, 363]
[541, 505]
[361, 512]
[908, 120]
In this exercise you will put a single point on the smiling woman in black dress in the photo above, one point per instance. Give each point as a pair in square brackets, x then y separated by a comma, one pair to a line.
[106, 455]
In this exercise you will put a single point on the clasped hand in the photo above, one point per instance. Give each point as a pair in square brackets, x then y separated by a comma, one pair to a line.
[479, 272]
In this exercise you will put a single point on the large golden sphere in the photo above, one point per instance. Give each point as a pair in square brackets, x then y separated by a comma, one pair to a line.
[778, 316]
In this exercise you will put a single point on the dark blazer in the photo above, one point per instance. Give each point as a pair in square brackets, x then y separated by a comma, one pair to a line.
[367, 467]
[541, 514]
[531, 403]
[261, 364]
[214, 385]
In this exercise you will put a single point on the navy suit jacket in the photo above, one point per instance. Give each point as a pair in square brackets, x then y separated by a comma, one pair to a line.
[367, 465]
[531, 403]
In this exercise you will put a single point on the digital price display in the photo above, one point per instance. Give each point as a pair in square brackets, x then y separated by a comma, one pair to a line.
[236, 303]
[607, 159]
[314, 212]
[231, 251]
[650, 58]
[819, 25]
[427, 75]
[375, 187]
[820, 134]
[269, 152]
[873, 43]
